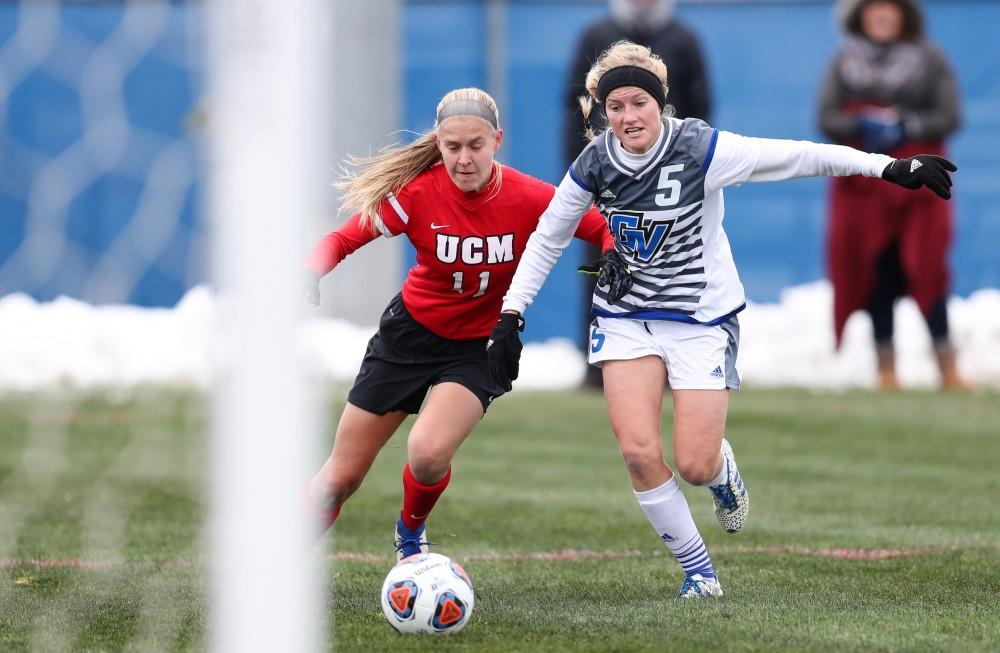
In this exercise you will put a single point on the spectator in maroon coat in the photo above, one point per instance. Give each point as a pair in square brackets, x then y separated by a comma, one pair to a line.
[889, 90]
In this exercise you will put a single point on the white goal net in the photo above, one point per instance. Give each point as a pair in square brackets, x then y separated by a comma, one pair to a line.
[151, 148]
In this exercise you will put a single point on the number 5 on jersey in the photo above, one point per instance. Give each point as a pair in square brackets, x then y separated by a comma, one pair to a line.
[672, 186]
[484, 281]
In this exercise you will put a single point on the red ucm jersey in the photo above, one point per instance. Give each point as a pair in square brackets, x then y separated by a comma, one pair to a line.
[467, 245]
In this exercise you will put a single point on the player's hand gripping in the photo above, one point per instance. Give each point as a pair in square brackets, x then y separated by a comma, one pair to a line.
[504, 349]
[311, 287]
[922, 170]
[611, 271]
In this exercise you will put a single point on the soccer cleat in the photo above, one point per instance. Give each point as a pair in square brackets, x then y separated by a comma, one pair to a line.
[697, 586]
[410, 542]
[732, 503]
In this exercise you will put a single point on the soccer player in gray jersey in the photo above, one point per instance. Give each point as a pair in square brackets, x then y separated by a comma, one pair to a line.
[667, 299]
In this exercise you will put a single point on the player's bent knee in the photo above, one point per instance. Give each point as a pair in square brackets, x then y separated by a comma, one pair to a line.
[696, 471]
[429, 467]
[641, 458]
[340, 488]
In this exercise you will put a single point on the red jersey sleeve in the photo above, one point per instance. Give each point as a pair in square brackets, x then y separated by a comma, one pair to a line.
[336, 245]
[393, 212]
[594, 229]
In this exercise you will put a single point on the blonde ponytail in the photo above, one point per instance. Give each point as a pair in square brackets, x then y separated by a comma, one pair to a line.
[385, 173]
[586, 106]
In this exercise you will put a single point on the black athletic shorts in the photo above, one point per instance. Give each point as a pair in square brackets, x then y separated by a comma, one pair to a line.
[404, 360]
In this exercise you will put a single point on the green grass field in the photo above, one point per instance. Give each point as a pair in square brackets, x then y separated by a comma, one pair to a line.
[874, 526]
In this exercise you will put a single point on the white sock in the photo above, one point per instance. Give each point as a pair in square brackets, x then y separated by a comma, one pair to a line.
[667, 511]
[722, 477]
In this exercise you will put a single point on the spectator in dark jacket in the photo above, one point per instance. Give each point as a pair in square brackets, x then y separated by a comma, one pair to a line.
[650, 23]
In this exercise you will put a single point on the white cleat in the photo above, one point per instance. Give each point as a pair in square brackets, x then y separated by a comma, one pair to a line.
[732, 503]
[697, 586]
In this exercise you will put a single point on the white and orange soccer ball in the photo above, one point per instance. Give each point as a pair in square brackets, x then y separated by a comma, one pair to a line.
[427, 593]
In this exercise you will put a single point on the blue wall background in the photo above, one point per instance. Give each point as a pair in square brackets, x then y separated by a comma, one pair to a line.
[765, 60]
[120, 238]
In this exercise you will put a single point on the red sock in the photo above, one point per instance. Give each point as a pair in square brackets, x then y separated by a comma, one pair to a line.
[323, 519]
[419, 499]
[328, 517]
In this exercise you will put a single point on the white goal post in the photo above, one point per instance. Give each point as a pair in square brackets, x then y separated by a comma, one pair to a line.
[267, 75]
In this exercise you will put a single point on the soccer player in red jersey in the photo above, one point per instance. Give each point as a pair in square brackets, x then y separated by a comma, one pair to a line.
[469, 219]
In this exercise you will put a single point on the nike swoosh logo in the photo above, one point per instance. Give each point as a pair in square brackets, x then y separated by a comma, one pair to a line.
[412, 516]
[439, 226]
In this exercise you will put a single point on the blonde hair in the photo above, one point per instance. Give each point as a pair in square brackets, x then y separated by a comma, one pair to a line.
[621, 53]
[397, 165]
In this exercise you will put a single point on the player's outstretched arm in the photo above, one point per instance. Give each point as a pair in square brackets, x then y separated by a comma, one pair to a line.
[311, 287]
[331, 250]
[927, 170]
[740, 159]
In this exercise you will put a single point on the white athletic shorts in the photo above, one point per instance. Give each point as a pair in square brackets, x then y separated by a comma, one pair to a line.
[698, 357]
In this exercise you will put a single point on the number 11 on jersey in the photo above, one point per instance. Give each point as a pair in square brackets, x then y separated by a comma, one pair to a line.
[484, 281]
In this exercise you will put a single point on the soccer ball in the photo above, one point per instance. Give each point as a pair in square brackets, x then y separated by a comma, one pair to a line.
[427, 593]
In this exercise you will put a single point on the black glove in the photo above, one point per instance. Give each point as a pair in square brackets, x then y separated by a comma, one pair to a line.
[311, 287]
[922, 170]
[504, 349]
[611, 271]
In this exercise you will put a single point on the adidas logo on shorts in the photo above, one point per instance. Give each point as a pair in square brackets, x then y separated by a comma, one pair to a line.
[717, 372]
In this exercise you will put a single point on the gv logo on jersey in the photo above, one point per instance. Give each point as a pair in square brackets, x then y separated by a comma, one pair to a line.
[644, 236]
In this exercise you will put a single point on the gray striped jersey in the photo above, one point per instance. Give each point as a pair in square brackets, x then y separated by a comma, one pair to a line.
[666, 225]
